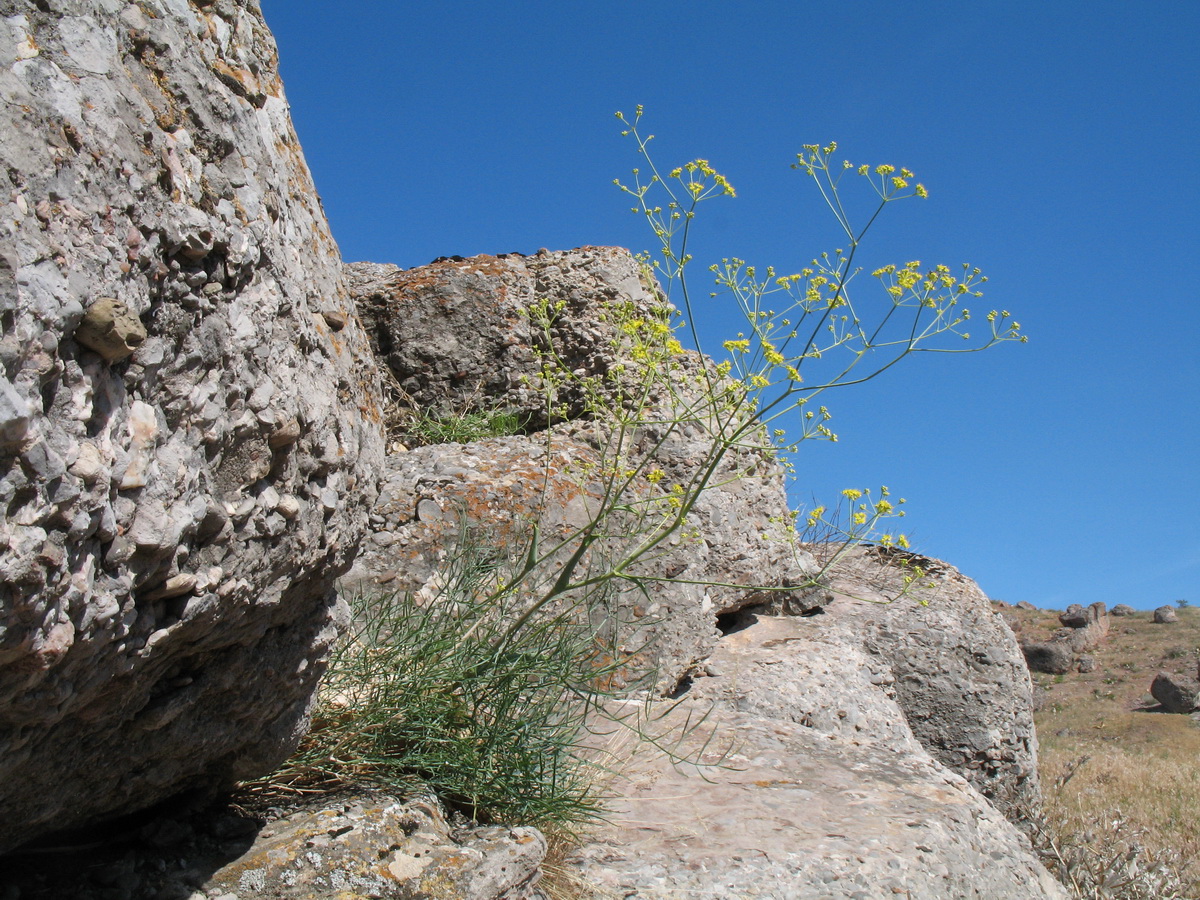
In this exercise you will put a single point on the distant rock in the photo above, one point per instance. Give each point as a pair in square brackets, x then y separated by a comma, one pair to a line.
[1074, 617]
[1176, 693]
[1086, 629]
[1049, 657]
[1165, 615]
[1122, 609]
[1026, 606]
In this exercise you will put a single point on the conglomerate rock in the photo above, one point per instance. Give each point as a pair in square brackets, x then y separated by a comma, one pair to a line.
[188, 426]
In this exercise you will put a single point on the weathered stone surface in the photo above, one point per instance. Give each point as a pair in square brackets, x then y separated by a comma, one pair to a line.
[825, 794]
[166, 569]
[1176, 693]
[476, 309]
[959, 674]
[458, 330]
[1165, 615]
[501, 486]
[382, 847]
[1026, 606]
[1122, 609]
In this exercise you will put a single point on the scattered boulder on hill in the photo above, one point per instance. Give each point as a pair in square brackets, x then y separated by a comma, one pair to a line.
[1086, 629]
[1176, 693]
[1048, 657]
[1122, 609]
[1026, 606]
[1165, 615]
[188, 418]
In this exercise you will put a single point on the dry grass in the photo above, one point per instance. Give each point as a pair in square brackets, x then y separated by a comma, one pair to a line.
[1120, 777]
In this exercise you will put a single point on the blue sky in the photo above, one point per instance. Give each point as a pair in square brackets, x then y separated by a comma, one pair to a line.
[1058, 141]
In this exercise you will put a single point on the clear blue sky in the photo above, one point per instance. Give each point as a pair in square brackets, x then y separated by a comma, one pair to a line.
[1059, 141]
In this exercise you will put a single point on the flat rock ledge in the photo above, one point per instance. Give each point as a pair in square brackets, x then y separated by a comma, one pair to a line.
[824, 793]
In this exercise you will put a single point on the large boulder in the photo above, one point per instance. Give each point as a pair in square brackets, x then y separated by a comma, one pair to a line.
[959, 674]
[188, 424]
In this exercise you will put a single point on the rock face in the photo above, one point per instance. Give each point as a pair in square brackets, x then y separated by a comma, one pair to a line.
[958, 672]
[458, 333]
[824, 792]
[188, 424]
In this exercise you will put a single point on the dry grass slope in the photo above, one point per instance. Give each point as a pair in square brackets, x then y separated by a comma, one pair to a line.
[1119, 773]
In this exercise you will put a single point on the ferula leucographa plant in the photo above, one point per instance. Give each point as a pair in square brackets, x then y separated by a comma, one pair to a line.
[823, 326]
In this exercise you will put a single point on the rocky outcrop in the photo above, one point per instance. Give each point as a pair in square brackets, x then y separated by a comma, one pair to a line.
[957, 671]
[736, 542]
[1165, 615]
[815, 788]
[188, 417]
[1122, 609]
[1085, 629]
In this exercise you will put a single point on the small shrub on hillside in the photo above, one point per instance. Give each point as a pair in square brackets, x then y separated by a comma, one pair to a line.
[1101, 832]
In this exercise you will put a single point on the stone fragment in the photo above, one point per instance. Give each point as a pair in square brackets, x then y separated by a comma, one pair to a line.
[173, 587]
[110, 328]
[1175, 693]
[285, 435]
[1026, 606]
[1122, 609]
[1086, 664]
[334, 318]
[14, 416]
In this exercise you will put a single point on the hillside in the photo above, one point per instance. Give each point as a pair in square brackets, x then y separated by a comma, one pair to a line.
[1115, 768]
